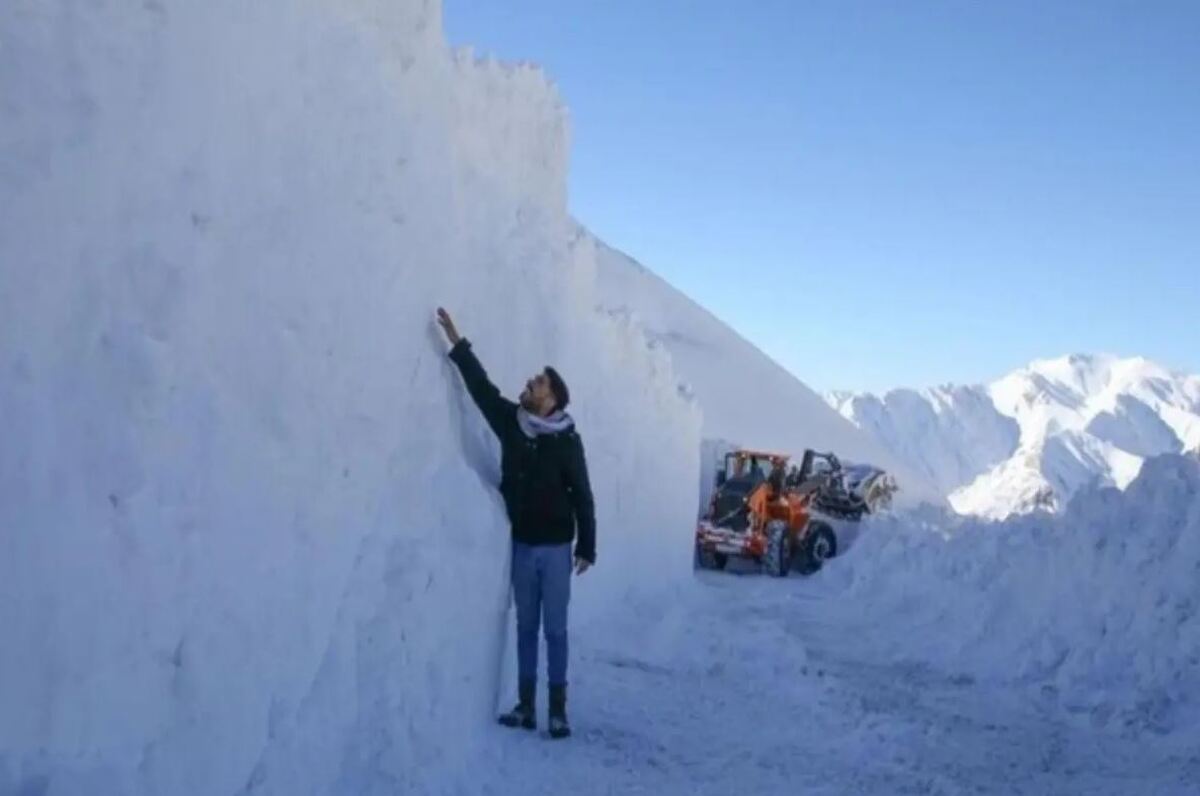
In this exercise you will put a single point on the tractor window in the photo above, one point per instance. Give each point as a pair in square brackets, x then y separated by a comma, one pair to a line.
[755, 468]
[730, 467]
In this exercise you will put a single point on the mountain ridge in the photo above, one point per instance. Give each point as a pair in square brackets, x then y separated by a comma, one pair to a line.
[1033, 437]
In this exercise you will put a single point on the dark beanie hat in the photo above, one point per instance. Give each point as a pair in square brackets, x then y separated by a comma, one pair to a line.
[562, 396]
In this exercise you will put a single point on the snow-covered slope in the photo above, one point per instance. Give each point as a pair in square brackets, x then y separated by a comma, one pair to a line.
[1032, 438]
[745, 397]
[950, 434]
[1096, 606]
[249, 541]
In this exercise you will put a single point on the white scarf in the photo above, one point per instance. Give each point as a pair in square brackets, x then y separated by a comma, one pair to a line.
[533, 425]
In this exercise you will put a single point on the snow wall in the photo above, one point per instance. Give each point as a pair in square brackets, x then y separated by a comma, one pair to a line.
[249, 541]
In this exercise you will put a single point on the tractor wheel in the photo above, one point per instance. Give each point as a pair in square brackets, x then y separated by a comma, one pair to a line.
[777, 561]
[710, 559]
[819, 546]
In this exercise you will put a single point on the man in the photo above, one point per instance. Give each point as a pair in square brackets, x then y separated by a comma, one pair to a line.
[544, 482]
[776, 480]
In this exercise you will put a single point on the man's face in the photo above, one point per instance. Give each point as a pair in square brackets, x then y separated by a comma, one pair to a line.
[537, 396]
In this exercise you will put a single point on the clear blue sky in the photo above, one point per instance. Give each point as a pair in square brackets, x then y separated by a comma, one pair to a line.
[889, 193]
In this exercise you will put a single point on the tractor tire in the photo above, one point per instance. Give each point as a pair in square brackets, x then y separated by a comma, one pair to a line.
[819, 545]
[777, 561]
[710, 559]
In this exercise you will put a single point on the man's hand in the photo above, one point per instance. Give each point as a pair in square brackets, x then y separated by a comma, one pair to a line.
[444, 321]
[581, 565]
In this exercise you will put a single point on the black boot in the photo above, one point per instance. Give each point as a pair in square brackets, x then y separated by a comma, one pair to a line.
[559, 727]
[523, 715]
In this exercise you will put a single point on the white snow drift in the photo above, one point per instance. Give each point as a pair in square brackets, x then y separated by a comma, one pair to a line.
[1098, 602]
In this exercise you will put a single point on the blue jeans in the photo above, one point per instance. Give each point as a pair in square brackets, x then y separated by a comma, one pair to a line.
[541, 581]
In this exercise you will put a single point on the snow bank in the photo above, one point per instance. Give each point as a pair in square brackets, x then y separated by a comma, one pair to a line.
[248, 536]
[1099, 602]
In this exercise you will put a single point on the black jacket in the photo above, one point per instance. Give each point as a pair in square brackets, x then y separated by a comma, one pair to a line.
[544, 479]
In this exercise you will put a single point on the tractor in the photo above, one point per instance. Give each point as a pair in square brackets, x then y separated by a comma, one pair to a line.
[762, 511]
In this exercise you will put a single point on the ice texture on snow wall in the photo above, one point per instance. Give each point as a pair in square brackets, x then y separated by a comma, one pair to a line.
[249, 541]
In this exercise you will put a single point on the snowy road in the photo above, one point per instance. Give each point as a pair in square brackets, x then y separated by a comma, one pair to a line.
[745, 684]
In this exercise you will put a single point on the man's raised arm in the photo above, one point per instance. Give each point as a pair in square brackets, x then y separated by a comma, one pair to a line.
[496, 409]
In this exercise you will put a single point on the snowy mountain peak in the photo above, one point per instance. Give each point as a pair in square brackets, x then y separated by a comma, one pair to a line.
[1033, 437]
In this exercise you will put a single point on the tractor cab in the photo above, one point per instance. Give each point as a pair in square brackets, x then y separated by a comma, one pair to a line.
[737, 485]
[749, 465]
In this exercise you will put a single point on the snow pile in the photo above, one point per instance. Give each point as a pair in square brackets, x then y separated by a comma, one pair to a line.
[1100, 601]
[746, 398]
[1033, 438]
[249, 539]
